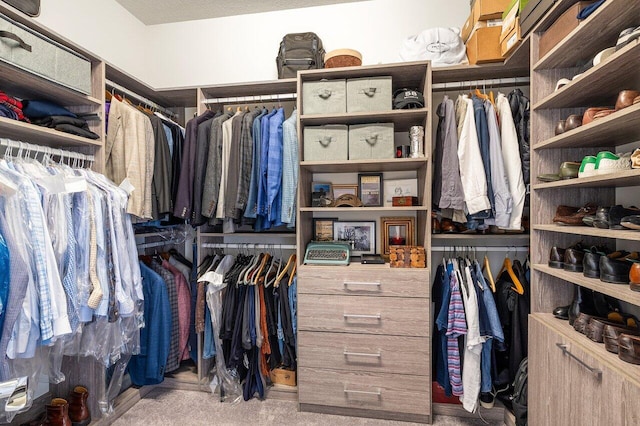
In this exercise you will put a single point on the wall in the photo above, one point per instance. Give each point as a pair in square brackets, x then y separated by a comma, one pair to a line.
[241, 48]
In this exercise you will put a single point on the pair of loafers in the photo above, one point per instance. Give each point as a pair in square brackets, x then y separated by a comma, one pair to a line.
[572, 216]
[567, 170]
[613, 217]
[572, 122]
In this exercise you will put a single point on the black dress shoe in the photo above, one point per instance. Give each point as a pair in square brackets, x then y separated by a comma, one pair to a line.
[562, 312]
[631, 222]
[601, 219]
[616, 213]
[591, 261]
[556, 257]
[573, 259]
[615, 271]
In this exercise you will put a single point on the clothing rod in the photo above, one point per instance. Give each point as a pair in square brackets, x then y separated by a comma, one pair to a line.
[45, 150]
[252, 99]
[482, 83]
[249, 246]
[480, 248]
[144, 100]
[155, 244]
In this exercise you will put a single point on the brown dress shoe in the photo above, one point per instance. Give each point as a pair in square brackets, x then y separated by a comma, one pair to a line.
[629, 348]
[78, 409]
[447, 226]
[612, 332]
[58, 412]
[559, 127]
[581, 322]
[603, 113]
[576, 218]
[587, 117]
[564, 211]
[572, 122]
[573, 257]
[625, 98]
[595, 328]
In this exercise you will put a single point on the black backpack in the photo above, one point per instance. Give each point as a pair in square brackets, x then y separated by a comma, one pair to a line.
[299, 51]
[520, 393]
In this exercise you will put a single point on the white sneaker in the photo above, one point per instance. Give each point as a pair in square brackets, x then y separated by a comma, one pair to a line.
[608, 162]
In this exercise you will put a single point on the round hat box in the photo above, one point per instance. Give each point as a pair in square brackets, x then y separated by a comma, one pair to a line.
[342, 58]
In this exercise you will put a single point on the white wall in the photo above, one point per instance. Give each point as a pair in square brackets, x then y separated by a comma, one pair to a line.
[241, 48]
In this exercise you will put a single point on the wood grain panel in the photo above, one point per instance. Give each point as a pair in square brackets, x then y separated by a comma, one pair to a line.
[612, 180]
[372, 280]
[386, 392]
[351, 166]
[388, 315]
[401, 118]
[359, 352]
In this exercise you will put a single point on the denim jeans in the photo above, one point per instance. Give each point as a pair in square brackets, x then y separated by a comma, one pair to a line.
[485, 366]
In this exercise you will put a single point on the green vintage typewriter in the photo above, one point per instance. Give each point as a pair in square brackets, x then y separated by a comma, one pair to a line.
[327, 253]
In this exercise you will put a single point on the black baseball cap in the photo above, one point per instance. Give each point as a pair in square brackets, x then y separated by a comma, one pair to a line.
[407, 98]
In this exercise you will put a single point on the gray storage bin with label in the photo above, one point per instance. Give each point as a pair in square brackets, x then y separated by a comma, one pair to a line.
[369, 94]
[326, 143]
[371, 141]
[26, 49]
[324, 97]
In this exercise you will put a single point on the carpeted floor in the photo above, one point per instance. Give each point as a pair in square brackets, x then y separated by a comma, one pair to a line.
[165, 407]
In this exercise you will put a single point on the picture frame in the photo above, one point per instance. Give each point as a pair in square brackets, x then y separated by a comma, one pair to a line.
[370, 189]
[321, 194]
[342, 189]
[399, 188]
[323, 228]
[397, 231]
[360, 234]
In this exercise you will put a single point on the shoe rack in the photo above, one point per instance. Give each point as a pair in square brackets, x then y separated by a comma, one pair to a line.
[561, 360]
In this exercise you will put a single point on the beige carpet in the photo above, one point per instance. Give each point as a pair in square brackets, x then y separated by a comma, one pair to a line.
[162, 407]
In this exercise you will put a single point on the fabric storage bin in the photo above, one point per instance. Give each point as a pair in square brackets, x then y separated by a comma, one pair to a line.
[326, 143]
[32, 52]
[369, 94]
[324, 97]
[371, 141]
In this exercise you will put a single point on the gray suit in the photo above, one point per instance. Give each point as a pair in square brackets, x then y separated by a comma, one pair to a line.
[202, 153]
[211, 184]
[162, 169]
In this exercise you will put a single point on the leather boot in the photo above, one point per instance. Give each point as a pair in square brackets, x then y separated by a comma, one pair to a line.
[78, 409]
[58, 413]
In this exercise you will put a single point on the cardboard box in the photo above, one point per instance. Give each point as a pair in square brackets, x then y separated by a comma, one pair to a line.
[531, 14]
[566, 23]
[484, 46]
[283, 377]
[483, 10]
[466, 31]
[512, 39]
[509, 18]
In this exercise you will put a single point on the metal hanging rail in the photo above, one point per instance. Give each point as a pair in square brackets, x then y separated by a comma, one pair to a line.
[493, 82]
[140, 98]
[250, 246]
[481, 248]
[62, 153]
[252, 99]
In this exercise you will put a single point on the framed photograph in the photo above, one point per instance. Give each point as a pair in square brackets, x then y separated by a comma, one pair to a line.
[370, 189]
[321, 194]
[399, 188]
[342, 189]
[360, 234]
[323, 228]
[397, 231]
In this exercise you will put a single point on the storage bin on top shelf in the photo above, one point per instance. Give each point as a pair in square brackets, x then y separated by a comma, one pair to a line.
[353, 95]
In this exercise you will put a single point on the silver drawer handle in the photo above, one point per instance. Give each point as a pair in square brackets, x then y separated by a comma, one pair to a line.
[377, 316]
[377, 393]
[376, 355]
[565, 351]
[371, 284]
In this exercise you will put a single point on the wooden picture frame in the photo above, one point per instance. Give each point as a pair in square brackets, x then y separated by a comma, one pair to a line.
[397, 231]
[370, 189]
[360, 234]
[321, 194]
[342, 189]
[323, 228]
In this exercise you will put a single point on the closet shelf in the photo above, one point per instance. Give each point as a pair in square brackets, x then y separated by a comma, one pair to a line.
[617, 129]
[20, 131]
[247, 234]
[520, 56]
[26, 85]
[354, 265]
[490, 240]
[350, 166]
[253, 88]
[363, 209]
[619, 291]
[456, 73]
[599, 85]
[617, 180]
[627, 370]
[404, 74]
[402, 118]
[588, 231]
[599, 31]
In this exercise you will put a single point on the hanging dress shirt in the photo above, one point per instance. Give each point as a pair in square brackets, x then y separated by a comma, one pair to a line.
[499, 179]
[274, 173]
[289, 169]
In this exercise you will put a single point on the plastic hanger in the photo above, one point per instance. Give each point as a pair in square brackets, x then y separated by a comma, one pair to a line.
[508, 266]
[486, 267]
[279, 278]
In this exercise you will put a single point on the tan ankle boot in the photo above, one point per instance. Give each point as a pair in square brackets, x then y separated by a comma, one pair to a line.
[58, 413]
[78, 409]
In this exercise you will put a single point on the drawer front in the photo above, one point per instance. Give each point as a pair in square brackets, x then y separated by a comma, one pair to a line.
[371, 141]
[364, 390]
[325, 143]
[45, 58]
[364, 314]
[361, 352]
[324, 97]
[377, 280]
[369, 94]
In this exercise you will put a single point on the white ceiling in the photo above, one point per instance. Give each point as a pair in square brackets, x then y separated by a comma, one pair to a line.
[152, 12]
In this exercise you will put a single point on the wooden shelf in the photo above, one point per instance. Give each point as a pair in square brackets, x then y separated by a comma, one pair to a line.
[364, 209]
[619, 291]
[253, 88]
[509, 69]
[20, 131]
[617, 129]
[489, 240]
[598, 86]
[247, 234]
[599, 31]
[352, 166]
[25, 85]
[588, 231]
[616, 180]
[369, 268]
[401, 118]
[520, 56]
[624, 369]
